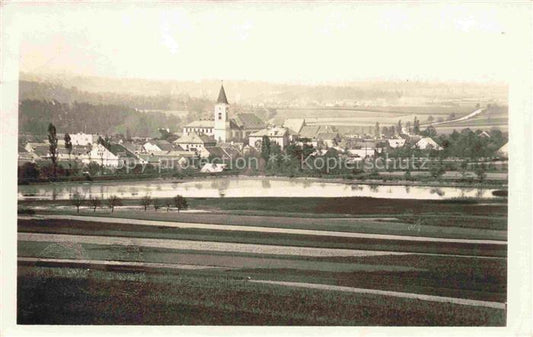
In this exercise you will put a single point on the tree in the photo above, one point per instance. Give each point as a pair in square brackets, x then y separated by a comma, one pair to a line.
[146, 201]
[416, 126]
[481, 172]
[180, 202]
[95, 202]
[437, 169]
[265, 148]
[399, 128]
[430, 131]
[430, 119]
[168, 204]
[165, 133]
[77, 200]
[28, 171]
[113, 201]
[93, 168]
[68, 147]
[157, 204]
[464, 168]
[52, 140]
[377, 131]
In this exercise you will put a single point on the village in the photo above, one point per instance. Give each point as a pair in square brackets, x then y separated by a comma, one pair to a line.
[209, 145]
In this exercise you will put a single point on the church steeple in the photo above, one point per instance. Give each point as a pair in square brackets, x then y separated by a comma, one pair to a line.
[222, 95]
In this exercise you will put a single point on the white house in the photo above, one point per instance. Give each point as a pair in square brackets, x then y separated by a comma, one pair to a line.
[205, 127]
[82, 139]
[504, 150]
[194, 142]
[396, 142]
[294, 124]
[362, 152]
[213, 168]
[102, 156]
[427, 143]
[158, 146]
[276, 135]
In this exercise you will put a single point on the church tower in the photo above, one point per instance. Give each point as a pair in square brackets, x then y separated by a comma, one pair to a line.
[222, 127]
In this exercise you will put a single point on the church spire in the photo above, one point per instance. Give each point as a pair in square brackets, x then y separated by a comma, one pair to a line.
[222, 95]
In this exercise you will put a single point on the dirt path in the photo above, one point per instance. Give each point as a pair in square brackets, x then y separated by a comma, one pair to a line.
[266, 229]
[414, 296]
[219, 246]
[200, 245]
[117, 263]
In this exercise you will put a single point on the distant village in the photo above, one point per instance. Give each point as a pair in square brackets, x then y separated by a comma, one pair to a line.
[226, 136]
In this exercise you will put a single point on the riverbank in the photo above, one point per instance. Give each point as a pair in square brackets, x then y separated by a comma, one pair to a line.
[388, 180]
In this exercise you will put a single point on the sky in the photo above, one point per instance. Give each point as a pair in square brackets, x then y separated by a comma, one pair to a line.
[301, 42]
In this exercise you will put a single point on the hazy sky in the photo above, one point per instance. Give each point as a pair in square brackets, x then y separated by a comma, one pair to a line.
[304, 42]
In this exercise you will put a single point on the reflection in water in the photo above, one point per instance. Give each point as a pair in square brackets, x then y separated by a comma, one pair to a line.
[244, 187]
[266, 183]
[437, 191]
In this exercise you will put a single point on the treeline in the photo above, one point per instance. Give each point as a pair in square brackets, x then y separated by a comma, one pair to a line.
[465, 144]
[107, 119]
[29, 90]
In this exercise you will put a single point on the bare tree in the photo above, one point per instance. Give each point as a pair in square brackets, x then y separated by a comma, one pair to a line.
[157, 204]
[95, 202]
[180, 202]
[77, 200]
[113, 201]
[146, 201]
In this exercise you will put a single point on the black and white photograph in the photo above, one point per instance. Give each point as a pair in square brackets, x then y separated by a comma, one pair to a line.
[267, 164]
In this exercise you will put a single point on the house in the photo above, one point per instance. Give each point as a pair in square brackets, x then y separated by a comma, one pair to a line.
[115, 155]
[213, 168]
[201, 127]
[364, 152]
[427, 143]
[133, 147]
[329, 139]
[82, 139]
[483, 134]
[25, 156]
[312, 131]
[276, 135]
[248, 123]
[195, 142]
[396, 142]
[102, 156]
[171, 159]
[294, 124]
[504, 151]
[158, 146]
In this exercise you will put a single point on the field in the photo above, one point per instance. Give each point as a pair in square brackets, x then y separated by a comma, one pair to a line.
[272, 261]
[369, 116]
[386, 116]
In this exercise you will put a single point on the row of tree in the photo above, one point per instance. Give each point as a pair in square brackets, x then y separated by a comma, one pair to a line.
[112, 201]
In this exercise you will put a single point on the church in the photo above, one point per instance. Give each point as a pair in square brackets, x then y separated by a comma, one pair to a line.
[223, 128]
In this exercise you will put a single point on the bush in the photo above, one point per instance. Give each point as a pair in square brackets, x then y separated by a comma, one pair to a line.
[25, 211]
